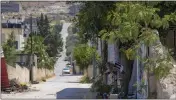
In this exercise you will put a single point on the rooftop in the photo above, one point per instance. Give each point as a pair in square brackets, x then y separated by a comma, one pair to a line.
[10, 7]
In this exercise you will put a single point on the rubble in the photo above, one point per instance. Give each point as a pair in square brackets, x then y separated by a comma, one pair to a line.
[35, 82]
[17, 87]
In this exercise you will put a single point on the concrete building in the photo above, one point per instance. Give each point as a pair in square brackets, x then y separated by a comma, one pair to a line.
[15, 26]
[10, 7]
[27, 22]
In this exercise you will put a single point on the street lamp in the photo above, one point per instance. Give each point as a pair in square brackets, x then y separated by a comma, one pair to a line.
[31, 59]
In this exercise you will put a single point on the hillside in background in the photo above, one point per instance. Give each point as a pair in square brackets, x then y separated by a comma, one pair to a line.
[51, 8]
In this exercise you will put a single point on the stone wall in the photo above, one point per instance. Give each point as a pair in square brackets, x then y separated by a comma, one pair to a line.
[77, 70]
[19, 73]
[22, 74]
[166, 87]
[90, 71]
[39, 73]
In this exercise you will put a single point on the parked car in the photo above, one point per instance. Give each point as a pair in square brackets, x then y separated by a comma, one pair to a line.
[66, 59]
[66, 70]
[71, 68]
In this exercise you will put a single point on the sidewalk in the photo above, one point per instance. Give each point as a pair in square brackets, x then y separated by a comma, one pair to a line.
[90, 95]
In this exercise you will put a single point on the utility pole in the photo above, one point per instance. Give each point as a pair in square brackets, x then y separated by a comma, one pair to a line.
[31, 58]
[93, 44]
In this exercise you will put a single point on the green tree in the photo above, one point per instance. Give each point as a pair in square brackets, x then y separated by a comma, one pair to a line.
[90, 21]
[52, 36]
[55, 45]
[131, 23]
[83, 55]
[46, 26]
[54, 41]
[72, 39]
[40, 25]
[166, 7]
[39, 49]
[10, 49]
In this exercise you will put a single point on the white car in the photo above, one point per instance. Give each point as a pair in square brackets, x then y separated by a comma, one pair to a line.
[66, 70]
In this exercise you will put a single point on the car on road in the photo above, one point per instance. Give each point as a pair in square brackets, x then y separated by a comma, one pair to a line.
[66, 70]
[66, 59]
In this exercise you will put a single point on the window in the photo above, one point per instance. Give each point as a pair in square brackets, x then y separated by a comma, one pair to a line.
[16, 44]
[4, 25]
[24, 35]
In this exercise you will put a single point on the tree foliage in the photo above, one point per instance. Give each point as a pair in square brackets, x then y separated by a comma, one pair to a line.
[43, 25]
[39, 49]
[83, 55]
[10, 49]
[72, 39]
[160, 61]
[134, 23]
[90, 19]
[130, 23]
[55, 42]
[52, 36]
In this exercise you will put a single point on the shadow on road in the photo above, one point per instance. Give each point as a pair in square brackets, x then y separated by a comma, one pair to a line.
[73, 82]
[72, 93]
[71, 75]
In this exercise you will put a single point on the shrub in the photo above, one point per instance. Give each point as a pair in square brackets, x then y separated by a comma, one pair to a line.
[85, 79]
[103, 88]
[100, 87]
[43, 79]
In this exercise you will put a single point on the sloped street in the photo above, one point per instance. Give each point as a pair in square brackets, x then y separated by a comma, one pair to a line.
[58, 87]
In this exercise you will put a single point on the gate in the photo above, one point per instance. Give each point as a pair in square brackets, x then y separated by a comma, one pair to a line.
[4, 75]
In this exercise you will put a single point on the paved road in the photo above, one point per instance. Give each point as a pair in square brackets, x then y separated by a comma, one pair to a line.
[58, 87]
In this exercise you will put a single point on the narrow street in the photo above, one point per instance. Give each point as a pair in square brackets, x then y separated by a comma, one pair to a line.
[58, 87]
[88, 50]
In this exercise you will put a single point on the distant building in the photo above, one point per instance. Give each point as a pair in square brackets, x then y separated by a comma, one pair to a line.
[15, 26]
[10, 7]
[27, 22]
[74, 9]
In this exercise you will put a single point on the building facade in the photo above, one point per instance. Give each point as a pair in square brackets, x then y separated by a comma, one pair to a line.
[27, 22]
[10, 7]
[16, 27]
[114, 55]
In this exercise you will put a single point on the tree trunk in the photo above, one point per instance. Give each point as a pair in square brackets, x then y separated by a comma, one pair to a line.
[87, 75]
[105, 51]
[105, 55]
[127, 76]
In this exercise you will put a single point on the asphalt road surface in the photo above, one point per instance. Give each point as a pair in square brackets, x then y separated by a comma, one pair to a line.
[58, 87]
